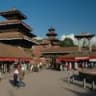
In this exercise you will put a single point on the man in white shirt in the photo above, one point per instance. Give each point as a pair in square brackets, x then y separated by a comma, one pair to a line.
[15, 76]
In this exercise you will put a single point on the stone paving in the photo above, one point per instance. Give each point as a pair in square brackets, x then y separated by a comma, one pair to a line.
[44, 83]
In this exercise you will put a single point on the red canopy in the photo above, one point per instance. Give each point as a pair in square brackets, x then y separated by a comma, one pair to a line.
[72, 59]
[14, 59]
[67, 59]
[92, 57]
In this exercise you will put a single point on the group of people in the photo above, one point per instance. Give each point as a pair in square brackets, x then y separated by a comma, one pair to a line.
[18, 74]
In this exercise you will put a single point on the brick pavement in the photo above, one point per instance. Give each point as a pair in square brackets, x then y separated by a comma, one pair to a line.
[44, 83]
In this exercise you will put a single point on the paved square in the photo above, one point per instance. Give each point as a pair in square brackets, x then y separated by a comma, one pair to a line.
[44, 83]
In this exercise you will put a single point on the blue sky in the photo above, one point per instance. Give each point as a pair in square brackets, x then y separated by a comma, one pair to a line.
[66, 16]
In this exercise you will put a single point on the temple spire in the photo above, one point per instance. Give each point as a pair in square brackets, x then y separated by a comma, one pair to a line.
[51, 34]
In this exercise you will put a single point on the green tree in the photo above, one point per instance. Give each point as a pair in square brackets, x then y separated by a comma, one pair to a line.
[67, 42]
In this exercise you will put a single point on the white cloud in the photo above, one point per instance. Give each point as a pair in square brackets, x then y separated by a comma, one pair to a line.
[38, 38]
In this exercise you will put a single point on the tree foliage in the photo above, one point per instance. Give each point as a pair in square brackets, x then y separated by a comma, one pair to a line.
[67, 42]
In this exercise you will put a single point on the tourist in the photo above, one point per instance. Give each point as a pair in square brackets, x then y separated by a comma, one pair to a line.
[31, 67]
[15, 76]
[23, 71]
[0, 75]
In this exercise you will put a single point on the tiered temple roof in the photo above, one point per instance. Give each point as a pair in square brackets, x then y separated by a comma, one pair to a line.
[13, 14]
[52, 36]
[11, 53]
[84, 35]
[51, 32]
[15, 35]
[14, 29]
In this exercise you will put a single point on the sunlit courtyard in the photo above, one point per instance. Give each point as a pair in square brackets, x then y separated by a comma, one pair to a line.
[44, 83]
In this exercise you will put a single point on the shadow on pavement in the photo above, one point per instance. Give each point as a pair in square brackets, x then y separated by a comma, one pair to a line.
[88, 93]
[12, 82]
[19, 84]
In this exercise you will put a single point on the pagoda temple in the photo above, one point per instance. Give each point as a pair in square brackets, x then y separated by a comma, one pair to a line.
[15, 35]
[53, 41]
[14, 30]
[73, 56]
